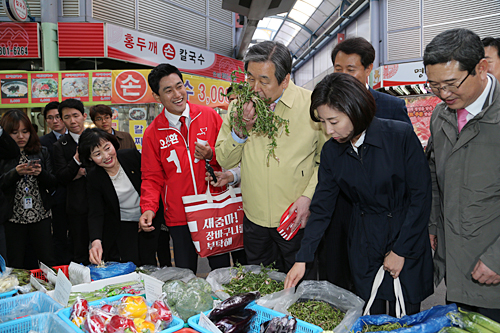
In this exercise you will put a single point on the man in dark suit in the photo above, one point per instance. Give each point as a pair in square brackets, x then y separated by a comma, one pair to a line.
[59, 217]
[492, 55]
[355, 57]
[69, 172]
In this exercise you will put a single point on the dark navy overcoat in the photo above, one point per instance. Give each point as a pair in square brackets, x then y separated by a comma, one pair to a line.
[389, 185]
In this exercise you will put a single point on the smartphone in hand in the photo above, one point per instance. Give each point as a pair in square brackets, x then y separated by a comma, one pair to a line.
[32, 163]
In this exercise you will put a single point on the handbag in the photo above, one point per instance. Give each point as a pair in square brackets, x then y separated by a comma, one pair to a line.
[398, 292]
[215, 221]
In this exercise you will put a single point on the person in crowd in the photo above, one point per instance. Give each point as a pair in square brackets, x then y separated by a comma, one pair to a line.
[464, 146]
[26, 181]
[71, 173]
[270, 188]
[168, 168]
[113, 191]
[492, 54]
[354, 56]
[381, 167]
[59, 218]
[231, 97]
[102, 116]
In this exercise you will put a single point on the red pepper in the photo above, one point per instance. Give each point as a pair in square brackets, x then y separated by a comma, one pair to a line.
[120, 324]
[162, 312]
[80, 308]
[107, 308]
[94, 324]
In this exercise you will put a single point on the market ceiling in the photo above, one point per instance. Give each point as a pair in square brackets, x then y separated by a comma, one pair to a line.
[302, 25]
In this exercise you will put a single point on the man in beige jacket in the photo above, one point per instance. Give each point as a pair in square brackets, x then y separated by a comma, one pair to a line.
[269, 187]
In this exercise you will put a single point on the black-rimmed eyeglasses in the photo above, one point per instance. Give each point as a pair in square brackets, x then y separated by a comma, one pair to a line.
[436, 88]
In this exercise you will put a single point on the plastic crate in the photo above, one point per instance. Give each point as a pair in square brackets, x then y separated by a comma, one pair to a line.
[263, 314]
[44, 322]
[64, 314]
[26, 305]
[8, 294]
[39, 274]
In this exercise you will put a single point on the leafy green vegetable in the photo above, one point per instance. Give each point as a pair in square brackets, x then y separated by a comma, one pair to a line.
[317, 313]
[248, 281]
[268, 123]
[192, 302]
[201, 284]
[385, 327]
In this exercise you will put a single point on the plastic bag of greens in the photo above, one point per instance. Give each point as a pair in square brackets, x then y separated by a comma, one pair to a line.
[220, 278]
[201, 284]
[428, 321]
[337, 297]
[110, 269]
[192, 303]
[173, 273]
[174, 290]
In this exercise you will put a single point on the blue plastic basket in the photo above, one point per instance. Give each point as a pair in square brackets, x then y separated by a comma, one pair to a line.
[8, 294]
[43, 322]
[65, 314]
[263, 314]
[26, 305]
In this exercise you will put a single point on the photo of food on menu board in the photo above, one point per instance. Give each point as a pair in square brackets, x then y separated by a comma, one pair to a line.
[16, 88]
[41, 88]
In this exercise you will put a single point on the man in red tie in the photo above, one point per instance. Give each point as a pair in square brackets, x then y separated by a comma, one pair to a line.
[174, 149]
[464, 157]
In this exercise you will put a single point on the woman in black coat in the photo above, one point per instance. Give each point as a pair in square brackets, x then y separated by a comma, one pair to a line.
[26, 182]
[113, 188]
[380, 165]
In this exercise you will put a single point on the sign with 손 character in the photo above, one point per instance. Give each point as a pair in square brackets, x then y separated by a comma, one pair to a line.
[130, 86]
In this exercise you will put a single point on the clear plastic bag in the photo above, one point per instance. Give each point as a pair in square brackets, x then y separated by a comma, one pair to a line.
[111, 269]
[201, 284]
[340, 298]
[218, 277]
[7, 283]
[173, 273]
[192, 302]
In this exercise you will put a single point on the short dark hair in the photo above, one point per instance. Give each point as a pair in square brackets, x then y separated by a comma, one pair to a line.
[158, 73]
[91, 138]
[229, 91]
[71, 103]
[461, 45]
[493, 42]
[10, 122]
[356, 45]
[275, 52]
[48, 107]
[100, 109]
[348, 95]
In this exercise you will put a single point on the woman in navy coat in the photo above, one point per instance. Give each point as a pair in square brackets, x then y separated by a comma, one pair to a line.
[381, 166]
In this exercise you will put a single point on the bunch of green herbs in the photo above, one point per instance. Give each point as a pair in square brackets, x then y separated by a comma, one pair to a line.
[385, 327]
[267, 123]
[317, 313]
[248, 281]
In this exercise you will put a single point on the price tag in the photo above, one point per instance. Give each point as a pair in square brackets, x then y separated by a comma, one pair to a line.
[63, 289]
[207, 324]
[152, 287]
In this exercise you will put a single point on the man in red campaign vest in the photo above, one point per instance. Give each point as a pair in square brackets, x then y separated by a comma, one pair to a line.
[173, 161]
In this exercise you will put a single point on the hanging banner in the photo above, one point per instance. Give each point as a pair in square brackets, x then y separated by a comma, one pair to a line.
[75, 85]
[101, 86]
[134, 46]
[131, 87]
[136, 130]
[420, 111]
[14, 88]
[19, 40]
[44, 87]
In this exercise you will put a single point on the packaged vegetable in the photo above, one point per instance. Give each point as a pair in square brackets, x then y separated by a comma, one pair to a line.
[193, 302]
[144, 326]
[233, 305]
[133, 307]
[236, 323]
[78, 321]
[120, 324]
[79, 308]
[160, 314]
[201, 284]
[175, 290]
[94, 324]
[7, 283]
[173, 273]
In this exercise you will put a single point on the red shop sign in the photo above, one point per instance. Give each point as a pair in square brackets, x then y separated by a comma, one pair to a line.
[44, 87]
[130, 86]
[19, 40]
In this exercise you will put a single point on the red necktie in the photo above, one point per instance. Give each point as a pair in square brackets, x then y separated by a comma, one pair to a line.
[461, 118]
[184, 129]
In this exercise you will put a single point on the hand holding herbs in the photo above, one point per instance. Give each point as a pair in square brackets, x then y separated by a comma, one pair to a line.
[251, 113]
[249, 281]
